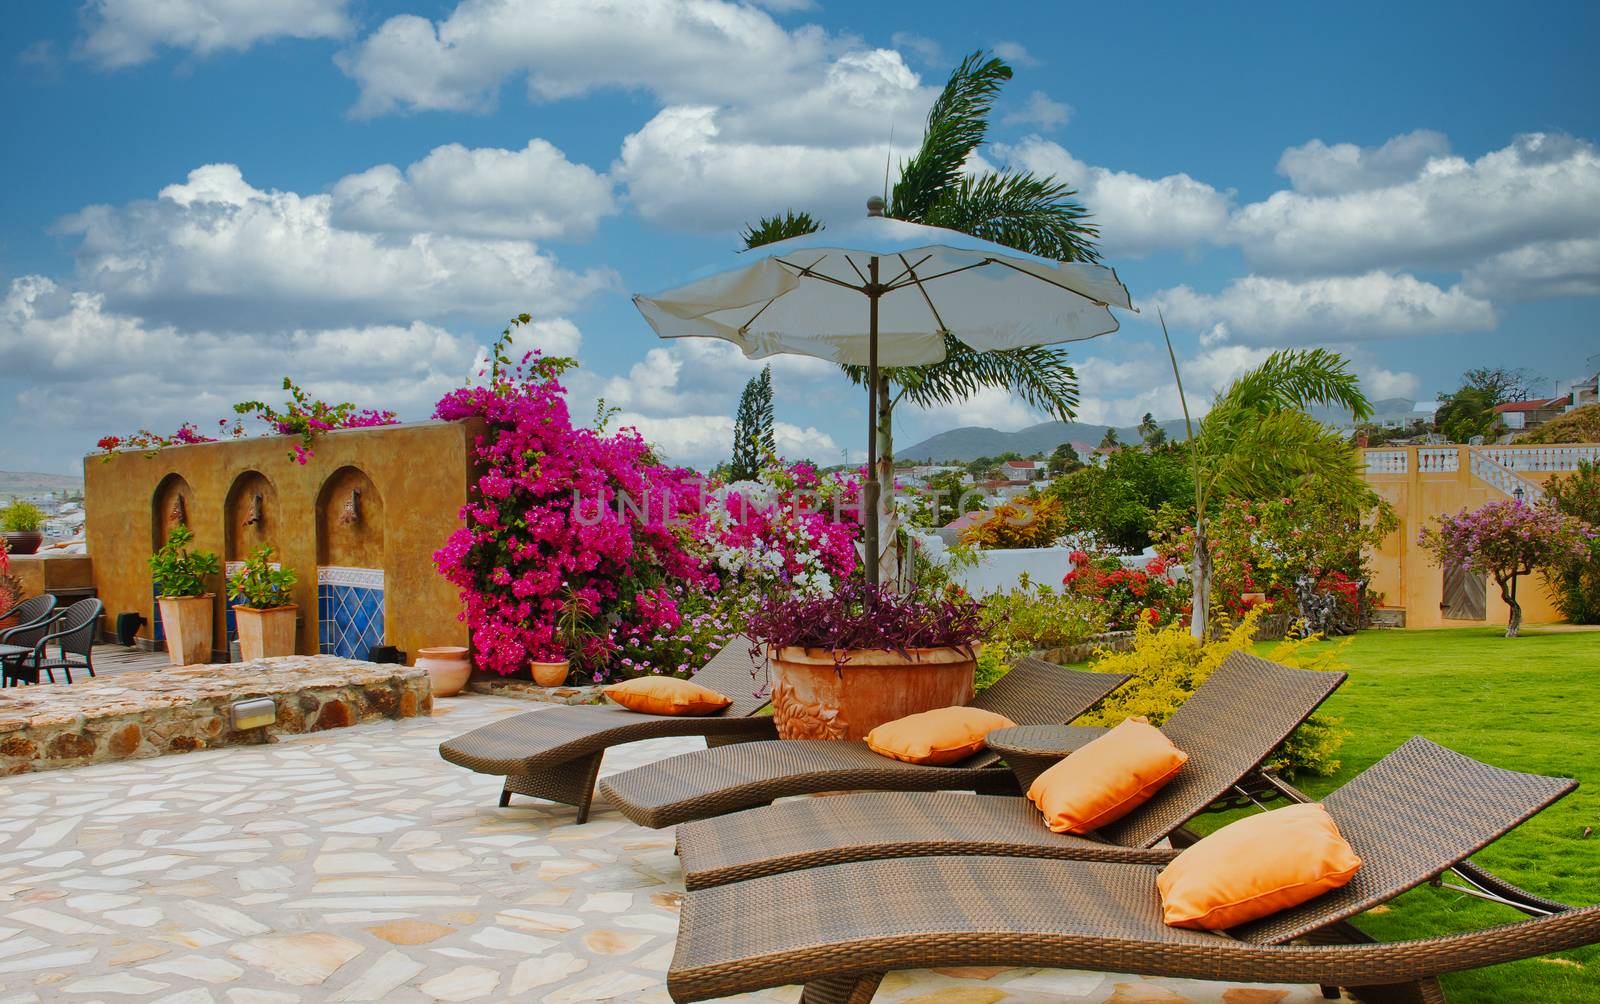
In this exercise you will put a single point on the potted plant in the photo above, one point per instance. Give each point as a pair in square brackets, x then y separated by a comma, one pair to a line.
[10, 588]
[571, 623]
[180, 578]
[266, 617]
[846, 663]
[19, 525]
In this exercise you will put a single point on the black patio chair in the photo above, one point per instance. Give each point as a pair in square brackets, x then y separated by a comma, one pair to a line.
[74, 636]
[34, 617]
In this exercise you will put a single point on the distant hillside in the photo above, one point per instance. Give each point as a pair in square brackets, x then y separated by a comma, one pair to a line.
[25, 483]
[973, 441]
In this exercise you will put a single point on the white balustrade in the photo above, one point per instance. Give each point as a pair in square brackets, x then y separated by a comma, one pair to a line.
[1387, 462]
[1438, 461]
[1542, 458]
[1486, 468]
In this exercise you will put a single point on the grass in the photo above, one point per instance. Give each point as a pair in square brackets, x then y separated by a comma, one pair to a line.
[1525, 704]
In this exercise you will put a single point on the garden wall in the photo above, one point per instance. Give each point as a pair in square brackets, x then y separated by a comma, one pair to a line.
[358, 523]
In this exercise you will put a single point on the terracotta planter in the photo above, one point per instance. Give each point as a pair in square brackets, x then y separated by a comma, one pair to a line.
[264, 633]
[448, 668]
[814, 699]
[551, 674]
[187, 622]
[23, 541]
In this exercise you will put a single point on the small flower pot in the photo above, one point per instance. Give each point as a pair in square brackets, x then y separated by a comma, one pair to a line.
[265, 633]
[816, 697]
[23, 541]
[187, 623]
[551, 674]
[448, 668]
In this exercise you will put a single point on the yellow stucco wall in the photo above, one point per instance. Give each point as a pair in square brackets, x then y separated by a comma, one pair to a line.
[413, 478]
[1406, 574]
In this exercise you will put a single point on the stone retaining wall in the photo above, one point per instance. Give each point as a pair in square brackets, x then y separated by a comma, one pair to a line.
[1112, 641]
[134, 715]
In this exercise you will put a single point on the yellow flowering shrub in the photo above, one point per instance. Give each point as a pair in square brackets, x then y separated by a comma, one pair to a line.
[1021, 522]
[1168, 664]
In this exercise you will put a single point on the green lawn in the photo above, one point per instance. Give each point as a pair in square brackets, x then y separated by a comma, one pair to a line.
[1527, 704]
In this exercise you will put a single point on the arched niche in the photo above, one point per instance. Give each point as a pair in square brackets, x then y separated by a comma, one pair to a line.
[172, 504]
[349, 521]
[252, 515]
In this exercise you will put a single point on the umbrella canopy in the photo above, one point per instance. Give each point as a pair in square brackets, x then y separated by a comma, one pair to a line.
[917, 283]
[804, 295]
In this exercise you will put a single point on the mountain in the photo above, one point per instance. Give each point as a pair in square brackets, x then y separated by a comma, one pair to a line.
[974, 441]
[23, 484]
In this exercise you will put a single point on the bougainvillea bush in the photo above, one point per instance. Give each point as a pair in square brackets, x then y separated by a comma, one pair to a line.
[1507, 540]
[1128, 596]
[306, 417]
[788, 529]
[569, 527]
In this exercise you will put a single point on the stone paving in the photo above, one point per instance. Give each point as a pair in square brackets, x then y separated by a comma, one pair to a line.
[355, 865]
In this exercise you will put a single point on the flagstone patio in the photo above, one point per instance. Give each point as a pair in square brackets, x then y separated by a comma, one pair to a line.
[355, 865]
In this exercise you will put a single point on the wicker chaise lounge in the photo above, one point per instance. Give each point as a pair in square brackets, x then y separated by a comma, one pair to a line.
[1229, 726]
[716, 781]
[556, 753]
[838, 929]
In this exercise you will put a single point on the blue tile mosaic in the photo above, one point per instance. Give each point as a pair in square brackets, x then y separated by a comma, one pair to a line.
[158, 631]
[349, 611]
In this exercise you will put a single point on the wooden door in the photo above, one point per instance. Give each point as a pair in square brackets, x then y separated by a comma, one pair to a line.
[1465, 595]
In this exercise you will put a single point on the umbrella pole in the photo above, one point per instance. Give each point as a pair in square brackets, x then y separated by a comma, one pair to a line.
[869, 489]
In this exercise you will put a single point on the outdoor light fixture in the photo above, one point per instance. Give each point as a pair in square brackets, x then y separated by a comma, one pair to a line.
[255, 511]
[253, 713]
[1517, 494]
[177, 514]
[352, 509]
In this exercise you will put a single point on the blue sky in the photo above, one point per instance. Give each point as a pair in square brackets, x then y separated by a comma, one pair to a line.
[202, 198]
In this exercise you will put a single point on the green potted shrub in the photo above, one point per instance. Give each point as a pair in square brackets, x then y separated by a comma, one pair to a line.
[20, 524]
[263, 608]
[180, 576]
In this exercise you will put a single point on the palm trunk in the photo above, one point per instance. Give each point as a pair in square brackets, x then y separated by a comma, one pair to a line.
[888, 525]
[1200, 576]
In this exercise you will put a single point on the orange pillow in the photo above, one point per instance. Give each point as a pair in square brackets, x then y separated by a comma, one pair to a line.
[1254, 867]
[667, 695]
[936, 737]
[1106, 779]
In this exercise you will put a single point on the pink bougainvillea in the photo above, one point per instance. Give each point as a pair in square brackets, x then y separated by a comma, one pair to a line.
[574, 544]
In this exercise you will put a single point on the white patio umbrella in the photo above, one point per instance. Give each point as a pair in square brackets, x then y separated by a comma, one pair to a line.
[918, 283]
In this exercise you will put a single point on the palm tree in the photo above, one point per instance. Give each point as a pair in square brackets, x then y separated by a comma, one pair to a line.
[1015, 208]
[1258, 442]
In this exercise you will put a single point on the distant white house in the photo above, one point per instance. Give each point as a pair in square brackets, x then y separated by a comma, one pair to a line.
[1024, 470]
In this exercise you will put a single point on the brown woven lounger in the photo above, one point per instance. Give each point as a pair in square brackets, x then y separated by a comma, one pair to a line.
[1231, 723]
[715, 781]
[838, 929]
[556, 753]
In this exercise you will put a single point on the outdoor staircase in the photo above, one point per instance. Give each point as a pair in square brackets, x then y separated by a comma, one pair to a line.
[1497, 475]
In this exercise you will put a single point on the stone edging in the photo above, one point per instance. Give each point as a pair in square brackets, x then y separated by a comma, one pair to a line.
[527, 690]
[1113, 641]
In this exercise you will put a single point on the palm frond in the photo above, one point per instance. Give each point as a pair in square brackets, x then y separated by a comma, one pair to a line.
[1022, 211]
[1038, 374]
[957, 124]
[779, 228]
[1299, 378]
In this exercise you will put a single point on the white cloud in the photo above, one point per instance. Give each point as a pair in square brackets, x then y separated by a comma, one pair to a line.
[1263, 310]
[126, 32]
[1015, 53]
[216, 252]
[1379, 383]
[1136, 215]
[533, 193]
[705, 440]
[1039, 110]
[683, 51]
[921, 46]
[991, 407]
[1448, 214]
[1539, 271]
[1316, 168]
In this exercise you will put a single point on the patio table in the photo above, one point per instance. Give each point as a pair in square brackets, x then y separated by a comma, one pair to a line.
[1030, 750]
[12, 654]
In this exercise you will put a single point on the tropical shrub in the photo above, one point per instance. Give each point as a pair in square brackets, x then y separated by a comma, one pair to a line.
[568, 520]
[1128, 596]
[178, 571]
[784, 529]
[1576, 580]
[21, 517]
[1167, 664]
[307, 417]
[1116, 505]
[1029, 618]
[1025, 521]
[1507, 540]
[10, 585]
[1580, 425]
[261, 586]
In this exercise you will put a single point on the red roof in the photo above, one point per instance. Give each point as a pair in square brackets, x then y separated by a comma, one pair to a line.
[1025, 464]
[1542, 404]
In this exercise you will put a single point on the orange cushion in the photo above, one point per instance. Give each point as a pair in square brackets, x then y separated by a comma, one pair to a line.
[667, 695]
[941, 736]
[1106, 779]
[1254, 867]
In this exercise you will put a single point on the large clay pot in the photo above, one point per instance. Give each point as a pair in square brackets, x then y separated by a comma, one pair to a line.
[448, 668]
[23, 541]
[264, 633]
[551, 674]
[187, 623]
[813, 697]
